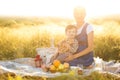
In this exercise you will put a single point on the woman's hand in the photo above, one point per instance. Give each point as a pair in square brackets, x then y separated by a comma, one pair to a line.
[69, 58]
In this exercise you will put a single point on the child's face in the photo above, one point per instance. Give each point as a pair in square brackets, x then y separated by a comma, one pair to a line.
[71, 33]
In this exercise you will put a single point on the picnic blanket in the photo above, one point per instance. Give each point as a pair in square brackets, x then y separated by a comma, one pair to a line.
[23, 67]
[26, 67]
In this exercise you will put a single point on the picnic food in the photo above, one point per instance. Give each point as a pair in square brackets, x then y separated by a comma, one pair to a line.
[52, 69]
[80, 72]
[56, 63]
[38, 61]
[66, 65]
[57, 66]
[61, 67]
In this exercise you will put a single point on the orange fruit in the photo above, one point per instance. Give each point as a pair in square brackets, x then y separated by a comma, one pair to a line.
[52, 69]
[66, 65]
[56, 63]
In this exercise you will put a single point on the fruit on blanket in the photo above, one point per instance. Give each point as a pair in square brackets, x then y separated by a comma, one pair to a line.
[80, 72]
[66, 65]
[52, 69]
[57, 66]
[61, 67]
[56, 63]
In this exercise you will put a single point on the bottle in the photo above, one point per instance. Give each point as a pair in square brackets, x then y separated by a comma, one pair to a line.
[38, 61]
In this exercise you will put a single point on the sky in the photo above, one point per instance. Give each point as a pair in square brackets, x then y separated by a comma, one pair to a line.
[60, 8]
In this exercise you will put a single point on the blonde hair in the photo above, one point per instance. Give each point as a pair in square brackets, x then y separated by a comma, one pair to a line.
[80, 9]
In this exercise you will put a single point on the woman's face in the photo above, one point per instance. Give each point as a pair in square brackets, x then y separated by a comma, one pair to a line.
[71, 33]
[79, 14]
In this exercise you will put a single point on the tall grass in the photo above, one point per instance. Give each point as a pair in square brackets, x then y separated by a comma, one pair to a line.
[22, 41]
[107, 47]
[107, 40]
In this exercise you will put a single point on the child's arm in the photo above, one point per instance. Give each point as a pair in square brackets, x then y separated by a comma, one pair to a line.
[74, 47]
[54, 57]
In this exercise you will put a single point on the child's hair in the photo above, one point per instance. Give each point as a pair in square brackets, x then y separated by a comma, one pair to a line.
[70, 27]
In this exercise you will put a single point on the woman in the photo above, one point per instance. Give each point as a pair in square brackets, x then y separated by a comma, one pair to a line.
[84, 54]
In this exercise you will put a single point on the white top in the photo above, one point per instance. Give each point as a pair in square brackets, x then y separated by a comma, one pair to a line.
[88, 30]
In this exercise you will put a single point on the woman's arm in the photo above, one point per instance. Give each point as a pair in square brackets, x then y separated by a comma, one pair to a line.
[85, 51]
[89, 48]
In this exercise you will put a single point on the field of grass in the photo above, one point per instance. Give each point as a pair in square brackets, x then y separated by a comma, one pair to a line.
[93, 76]
[107, 39]
[19, 37]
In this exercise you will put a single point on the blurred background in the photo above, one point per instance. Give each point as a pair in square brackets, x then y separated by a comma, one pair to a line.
[28, 24]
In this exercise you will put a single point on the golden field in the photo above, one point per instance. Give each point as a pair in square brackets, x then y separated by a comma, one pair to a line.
[20, 36]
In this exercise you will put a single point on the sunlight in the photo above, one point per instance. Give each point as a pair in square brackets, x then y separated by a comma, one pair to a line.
[61, 8]
[54, 30]
[98, 29]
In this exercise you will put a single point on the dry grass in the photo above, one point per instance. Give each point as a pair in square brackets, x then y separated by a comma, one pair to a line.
[19, 37]
[92, 76]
